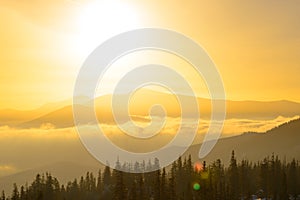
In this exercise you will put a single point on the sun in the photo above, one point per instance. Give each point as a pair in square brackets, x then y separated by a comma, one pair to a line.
[100, 20]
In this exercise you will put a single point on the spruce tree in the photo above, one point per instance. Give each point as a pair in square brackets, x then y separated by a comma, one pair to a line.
[15, 193]
[292, 179]
[119, 187]
[99, 183]
[163, 183]
[3, 195]
[233, 178]
[172, 183]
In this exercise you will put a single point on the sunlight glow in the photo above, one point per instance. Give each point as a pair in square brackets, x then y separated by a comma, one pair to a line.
[100, 20]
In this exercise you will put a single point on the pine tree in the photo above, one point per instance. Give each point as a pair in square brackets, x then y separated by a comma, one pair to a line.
[292, 179]
[92, 185]
[264, 176]
[36, 188]
[246, 179]
[233, 178]
[188, 173]
[119, 187]
[203, 177]
[137, 167]
[106, 177]
[157, 185]
[178, 179]
[141, 188]
[49, 190]
[3, 195]
[62, 193]
[133, 191]
[283, 188]
[76, 191]
[163, 183]
[15, 193]
[172, 183]
[217, 180]
[99, 183]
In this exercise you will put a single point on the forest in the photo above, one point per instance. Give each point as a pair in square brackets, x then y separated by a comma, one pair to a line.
[269, 178]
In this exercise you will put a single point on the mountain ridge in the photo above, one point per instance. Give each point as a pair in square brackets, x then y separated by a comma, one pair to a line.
[63, 117]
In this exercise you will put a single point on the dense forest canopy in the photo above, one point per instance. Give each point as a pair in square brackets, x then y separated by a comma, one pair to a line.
[269, 178]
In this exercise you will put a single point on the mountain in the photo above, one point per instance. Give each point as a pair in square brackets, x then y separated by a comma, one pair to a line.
[141, 103]
[12, 117]
[283, 141]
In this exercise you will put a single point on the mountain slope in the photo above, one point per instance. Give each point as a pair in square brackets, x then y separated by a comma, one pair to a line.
[12, 117]
[141, 103]
[283, 141]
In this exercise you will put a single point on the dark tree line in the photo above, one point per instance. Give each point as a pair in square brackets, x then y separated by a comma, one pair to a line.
[270, 178]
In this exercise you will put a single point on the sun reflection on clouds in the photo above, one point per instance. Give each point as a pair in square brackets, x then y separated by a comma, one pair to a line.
[7, 169]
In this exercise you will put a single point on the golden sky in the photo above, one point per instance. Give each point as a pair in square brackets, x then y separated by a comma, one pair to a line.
[255, 44]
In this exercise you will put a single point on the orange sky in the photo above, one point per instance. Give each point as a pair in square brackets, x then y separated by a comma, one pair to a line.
[255, 44]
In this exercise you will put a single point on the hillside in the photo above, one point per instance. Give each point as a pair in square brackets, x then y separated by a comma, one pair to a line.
[63, 117]
[283, 141]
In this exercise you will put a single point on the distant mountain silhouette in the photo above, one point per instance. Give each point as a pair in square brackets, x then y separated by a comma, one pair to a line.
[139, 107]
[13, 117]
[283, 141]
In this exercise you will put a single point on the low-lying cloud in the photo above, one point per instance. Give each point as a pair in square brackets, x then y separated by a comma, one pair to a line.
[29, 148]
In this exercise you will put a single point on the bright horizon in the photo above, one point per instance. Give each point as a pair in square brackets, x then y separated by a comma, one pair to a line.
[257, 53]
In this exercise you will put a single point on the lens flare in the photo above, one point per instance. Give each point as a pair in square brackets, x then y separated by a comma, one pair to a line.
[204, 175]
[196, 186]
[198, 166]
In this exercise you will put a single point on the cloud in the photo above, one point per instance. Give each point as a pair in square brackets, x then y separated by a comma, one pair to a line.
[7, 169]
[29, 148]
[237, 126]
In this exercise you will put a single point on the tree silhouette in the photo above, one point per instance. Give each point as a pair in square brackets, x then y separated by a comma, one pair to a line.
[269, 178]
[233, 178]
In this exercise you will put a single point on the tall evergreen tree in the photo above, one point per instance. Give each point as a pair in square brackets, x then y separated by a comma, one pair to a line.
[133, 191]
[292, 179]
[163, 185]
[172, 183]
[141, 188]
[233, 178]
[107, 177]
[99, 183]
[3, 195]
[264, 177]
[157, 185]
[119, 187]
[283, 187]
[15, 193]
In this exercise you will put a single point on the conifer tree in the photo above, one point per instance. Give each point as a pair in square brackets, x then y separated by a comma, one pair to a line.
[233, 178]
[99, 183]
[119, 187]
[3, 195]
[163, 183]
[15, 193]
[292, 179]
[157, 185]
[172, 183]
